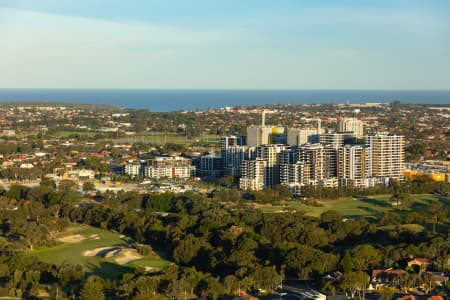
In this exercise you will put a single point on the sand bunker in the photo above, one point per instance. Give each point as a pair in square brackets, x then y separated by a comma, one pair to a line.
[120, 254]
[126, 255]
[75, 238]
[112, 253]
[97, 251]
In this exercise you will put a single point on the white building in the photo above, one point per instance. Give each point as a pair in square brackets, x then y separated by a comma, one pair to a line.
[337, 139]
[388, 156]
[169, 167]
[134, 169]
[301, 136]
[252, 177]
[295, 175]
[263, 135]
[351, 124]
[271, 154]
[355, 166]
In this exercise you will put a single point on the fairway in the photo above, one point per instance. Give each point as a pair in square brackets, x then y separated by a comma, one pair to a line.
[351, 207]
[105, 267]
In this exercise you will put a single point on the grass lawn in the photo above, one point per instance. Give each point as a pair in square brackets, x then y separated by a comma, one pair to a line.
[153, 262]
[162, 138]
[350, 207]
[65, 134]
[104, 267]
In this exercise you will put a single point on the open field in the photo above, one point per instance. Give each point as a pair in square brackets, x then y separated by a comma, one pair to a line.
[66, 134]
[163, 138]
[89, 247]
[350, 207]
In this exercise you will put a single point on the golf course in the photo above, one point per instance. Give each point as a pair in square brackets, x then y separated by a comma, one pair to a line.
[352, 207]
[100, 252]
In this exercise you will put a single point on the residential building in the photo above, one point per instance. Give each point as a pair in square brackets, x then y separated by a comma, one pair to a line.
[134, 169]
[271, 154]
[295, 175]
[233, 151]
[313, 155]
[337, 139]
[388, 156]
[169, 167]
[233, 156]
[210, 166]
[252, 174]
[301, 136]
[263, 135]
[355, 166]
[351, 125]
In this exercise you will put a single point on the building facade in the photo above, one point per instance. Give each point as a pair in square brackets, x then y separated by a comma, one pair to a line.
[351, 124]
[169, 167]
[388, 156]
[253, 174]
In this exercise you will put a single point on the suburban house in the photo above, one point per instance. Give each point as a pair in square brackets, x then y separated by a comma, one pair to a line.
[388, 276]
[421, 262]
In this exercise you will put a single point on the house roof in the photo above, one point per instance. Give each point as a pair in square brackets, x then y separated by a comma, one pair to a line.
[387, 273]
[419, 261]
[407, 297]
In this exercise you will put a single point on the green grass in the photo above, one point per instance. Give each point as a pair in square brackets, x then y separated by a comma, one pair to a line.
[65, 134]
[104, 267]
[153, 262]
[410, 227]
[162, 138]
[350, 207]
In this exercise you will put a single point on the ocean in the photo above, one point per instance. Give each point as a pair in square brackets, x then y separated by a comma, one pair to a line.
[175, 100]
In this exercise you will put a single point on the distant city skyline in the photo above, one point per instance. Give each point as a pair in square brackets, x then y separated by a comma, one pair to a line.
[231, 44]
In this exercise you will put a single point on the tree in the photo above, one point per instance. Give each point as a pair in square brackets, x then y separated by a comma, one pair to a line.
[355, 283]
[347, 263]
[17, 192]
[93, 289]
[34, 233]
[365, 256]
[401, 200]
[186, 249]
[88, 186]
[66, 185]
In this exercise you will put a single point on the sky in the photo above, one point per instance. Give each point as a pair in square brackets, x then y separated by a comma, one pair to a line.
[225, 44]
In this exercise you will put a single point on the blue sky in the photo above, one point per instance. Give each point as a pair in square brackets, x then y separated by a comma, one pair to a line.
[298, 44]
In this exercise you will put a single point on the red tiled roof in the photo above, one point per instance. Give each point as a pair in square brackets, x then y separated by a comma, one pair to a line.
[407, 297]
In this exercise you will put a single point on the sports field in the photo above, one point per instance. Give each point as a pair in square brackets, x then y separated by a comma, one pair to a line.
[101, 252]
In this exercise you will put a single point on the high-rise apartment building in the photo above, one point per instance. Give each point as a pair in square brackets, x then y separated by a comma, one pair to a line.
[355, 166]
[210, 166]
[330, 161]
[253, 174]
[313, 155]
[301, 136]
[388, 156]
[263, 135]
[295, 175]
[271, 154]
[234, 140]
[233, 152]
[233, 156]
[337, 139]
[351, 124]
